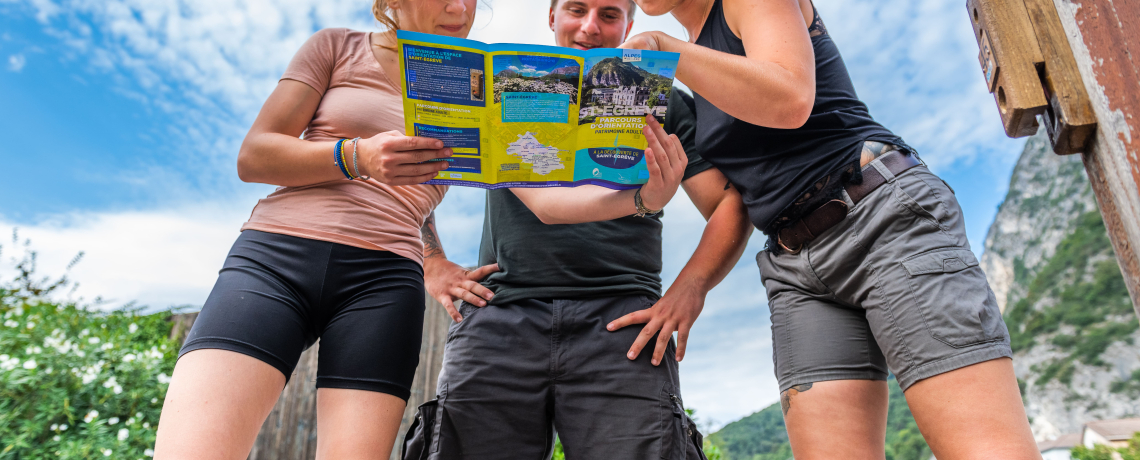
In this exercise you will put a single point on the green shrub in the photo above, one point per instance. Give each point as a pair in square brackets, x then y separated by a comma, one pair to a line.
[76, 382]
[1087, 306]
[1103, 452]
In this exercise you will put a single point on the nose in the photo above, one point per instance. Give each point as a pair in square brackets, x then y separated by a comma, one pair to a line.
[590, 25]
[455, 6]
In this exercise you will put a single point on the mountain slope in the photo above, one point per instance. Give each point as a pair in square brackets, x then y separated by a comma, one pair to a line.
[1071, 324]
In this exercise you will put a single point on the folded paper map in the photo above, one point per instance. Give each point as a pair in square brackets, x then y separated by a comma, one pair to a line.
[533, 116]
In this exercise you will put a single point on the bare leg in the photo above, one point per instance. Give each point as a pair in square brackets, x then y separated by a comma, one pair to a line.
[837, 419]
[357, 424]
[215, 406]
[973, 412]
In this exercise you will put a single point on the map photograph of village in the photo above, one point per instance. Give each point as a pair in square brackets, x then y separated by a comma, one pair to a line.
[612, 87]
[529, 73]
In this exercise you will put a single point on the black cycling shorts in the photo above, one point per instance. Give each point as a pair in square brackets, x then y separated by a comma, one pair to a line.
[277, 294]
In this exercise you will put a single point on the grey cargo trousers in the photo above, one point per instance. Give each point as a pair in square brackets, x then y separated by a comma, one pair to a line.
[516, 373]
[892, 287]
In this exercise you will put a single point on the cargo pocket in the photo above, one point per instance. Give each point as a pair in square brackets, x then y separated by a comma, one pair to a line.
[679, 439]
[696, 445]
[421, 435]
[955, 300]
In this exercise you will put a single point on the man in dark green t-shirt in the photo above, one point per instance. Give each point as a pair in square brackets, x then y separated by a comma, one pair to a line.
[541, 345]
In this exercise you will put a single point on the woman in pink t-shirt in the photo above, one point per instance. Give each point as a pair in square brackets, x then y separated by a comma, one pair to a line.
[336, 252]
[331, 254]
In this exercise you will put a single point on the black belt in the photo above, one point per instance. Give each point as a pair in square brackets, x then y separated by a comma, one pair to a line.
[793, 237]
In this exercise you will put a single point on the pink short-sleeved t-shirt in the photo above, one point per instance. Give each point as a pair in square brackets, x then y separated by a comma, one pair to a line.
[357, 100]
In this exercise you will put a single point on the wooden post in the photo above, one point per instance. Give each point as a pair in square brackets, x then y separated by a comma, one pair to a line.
[1104, 36]
[1075, 63]
[290, 431]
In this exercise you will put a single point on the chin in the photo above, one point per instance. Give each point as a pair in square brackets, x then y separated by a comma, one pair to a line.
[657, 7]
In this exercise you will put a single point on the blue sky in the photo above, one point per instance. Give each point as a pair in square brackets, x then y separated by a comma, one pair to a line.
[123, 119]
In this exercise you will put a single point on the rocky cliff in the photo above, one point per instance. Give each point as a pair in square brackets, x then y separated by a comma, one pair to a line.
[1052, 267]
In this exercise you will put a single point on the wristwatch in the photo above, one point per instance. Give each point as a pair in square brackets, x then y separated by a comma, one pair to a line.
[642, 211]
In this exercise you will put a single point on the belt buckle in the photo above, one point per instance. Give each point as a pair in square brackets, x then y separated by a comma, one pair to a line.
[780, 241]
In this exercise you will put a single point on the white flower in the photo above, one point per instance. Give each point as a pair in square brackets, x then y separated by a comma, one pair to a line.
[107, 452]
[31, 325]
[132, 328]
[123, 433]
[90, 416]
[110, 382]
[54, 426]
[149, 452]
[117, 389]
[93, 340]
[153, 400]
[146, 424]
[19, 311]
[84, 333]
[8, 363]
[30, 364]
[131, 421]
[129, 357]
[163, 378]
[11, 323]
[55, 438]
[63, 428]
[107, 346]
[138, 415]
[113, 420]
[80, 353]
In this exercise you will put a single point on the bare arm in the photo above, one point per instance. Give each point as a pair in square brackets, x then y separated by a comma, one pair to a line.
[721, 245]
[665, 158]
[445, 280]
[274, 153]
[773, 85]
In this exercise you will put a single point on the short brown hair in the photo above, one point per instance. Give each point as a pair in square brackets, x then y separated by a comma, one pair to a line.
[554, 3]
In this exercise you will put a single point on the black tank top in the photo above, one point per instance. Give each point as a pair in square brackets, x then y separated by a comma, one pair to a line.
[772, 168]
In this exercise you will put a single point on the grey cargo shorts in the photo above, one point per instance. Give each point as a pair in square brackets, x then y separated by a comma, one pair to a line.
[516, 373]
[894, 286]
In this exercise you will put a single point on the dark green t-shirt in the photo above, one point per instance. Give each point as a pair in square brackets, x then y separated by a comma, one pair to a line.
[595, 259]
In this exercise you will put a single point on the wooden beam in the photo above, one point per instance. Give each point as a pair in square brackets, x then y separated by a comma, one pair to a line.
[1104, 36]
[1069, 118]
[1009, 55]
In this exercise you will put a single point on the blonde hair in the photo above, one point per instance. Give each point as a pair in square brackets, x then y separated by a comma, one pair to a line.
[382, 12]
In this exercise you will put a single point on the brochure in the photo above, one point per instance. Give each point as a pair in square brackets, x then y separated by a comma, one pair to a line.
[533, 116]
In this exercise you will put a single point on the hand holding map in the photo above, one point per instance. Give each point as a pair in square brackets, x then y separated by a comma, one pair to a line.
[547, 117]
[396, 159]
[666, 162]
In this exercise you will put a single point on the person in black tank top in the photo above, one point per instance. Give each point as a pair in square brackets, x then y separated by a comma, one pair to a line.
[868, 270]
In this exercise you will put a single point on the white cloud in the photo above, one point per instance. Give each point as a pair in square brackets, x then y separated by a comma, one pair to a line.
[16, 62]
[159, 258]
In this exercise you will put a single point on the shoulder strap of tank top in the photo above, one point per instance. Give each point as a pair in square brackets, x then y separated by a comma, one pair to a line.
[712, 23]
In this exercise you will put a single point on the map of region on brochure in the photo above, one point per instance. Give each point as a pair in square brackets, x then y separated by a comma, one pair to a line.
[533, 116]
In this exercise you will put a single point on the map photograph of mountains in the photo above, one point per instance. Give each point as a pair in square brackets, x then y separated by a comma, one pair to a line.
[530, 73]
[611, 84]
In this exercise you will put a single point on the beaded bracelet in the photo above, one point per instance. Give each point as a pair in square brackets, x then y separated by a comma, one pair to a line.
[344, 158]
[354, 164]
[338, 159]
